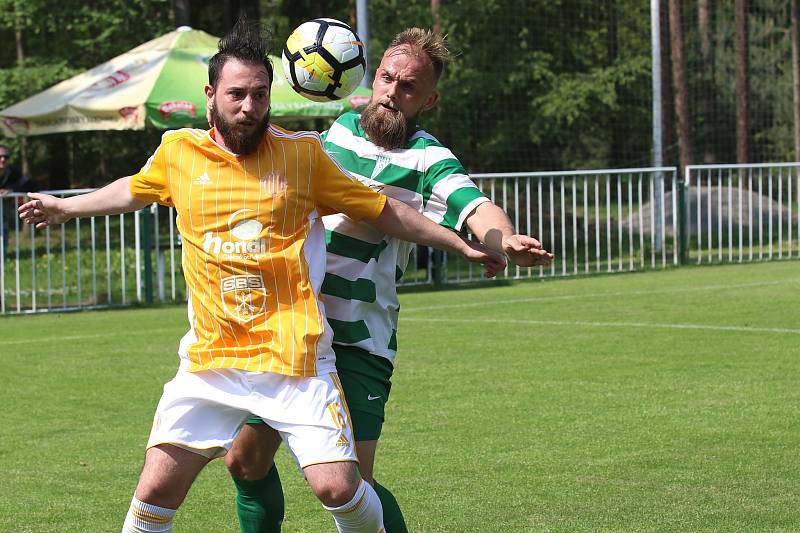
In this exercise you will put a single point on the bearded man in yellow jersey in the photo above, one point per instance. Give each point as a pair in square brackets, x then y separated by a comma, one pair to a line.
[249, 198]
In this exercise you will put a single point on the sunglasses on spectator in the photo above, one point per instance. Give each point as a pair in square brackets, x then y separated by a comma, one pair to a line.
[4, 156]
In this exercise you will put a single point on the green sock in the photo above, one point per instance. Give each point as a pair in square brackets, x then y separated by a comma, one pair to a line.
[393, 519]
[259, 503]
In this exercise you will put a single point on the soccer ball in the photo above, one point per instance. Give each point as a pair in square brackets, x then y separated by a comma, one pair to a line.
[323, 60]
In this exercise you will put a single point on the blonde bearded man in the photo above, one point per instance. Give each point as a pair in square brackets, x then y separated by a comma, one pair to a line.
[383, 148]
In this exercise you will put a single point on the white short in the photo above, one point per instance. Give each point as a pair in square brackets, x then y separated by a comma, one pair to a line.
[204, 411]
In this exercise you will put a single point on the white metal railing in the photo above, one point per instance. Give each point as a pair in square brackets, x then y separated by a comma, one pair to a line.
[610, 220]
[85, 263]
[595, 221]
[739, 213]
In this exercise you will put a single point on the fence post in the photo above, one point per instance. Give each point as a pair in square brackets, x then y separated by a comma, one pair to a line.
[438, 267]
[683, 218]
[147, 244]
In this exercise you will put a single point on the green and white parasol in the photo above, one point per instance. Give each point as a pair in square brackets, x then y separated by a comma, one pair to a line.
[159, 83]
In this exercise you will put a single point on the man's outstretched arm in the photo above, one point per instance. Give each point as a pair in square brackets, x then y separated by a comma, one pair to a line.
[402, 222]
[491, 226]
[46, 210]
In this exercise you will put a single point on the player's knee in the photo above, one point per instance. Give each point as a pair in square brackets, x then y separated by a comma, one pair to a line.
[236, 467]
[336, 492]
[156, 494]
[334, 484]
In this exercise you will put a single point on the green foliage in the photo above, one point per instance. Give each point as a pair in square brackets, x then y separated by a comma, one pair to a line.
[59, 43]
[534, 84]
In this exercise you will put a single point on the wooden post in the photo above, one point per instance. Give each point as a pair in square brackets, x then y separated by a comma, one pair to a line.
[679, 83]
[742, 53]
[796, 74]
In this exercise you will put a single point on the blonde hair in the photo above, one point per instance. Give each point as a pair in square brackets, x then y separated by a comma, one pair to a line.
[432, 44]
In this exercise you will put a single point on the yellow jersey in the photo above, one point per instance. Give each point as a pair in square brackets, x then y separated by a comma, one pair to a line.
[254, 245]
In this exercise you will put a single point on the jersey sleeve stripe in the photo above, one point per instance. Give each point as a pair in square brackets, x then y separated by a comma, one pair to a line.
[443, 169]
[444, 188]
[464, 201]
[437, 154]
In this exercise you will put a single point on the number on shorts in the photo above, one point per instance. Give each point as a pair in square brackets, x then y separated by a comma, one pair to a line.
[339, 418]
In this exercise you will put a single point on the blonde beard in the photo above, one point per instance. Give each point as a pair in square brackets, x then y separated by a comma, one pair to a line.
[386, 129]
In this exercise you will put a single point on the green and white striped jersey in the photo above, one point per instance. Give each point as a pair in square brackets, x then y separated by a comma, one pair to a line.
[364, 265]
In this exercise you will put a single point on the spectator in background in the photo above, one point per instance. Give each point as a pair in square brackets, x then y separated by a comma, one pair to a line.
[11, 180]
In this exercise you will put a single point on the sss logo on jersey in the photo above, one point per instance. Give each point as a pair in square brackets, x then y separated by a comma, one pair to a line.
[243, 296]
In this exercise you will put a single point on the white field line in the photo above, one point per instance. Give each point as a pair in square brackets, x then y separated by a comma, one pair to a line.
[407, 310]
[705, 327]
[41, 340]
[484, 303]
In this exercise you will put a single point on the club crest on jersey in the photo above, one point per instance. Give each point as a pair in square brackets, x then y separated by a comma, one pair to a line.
[380, 163]
[273, 183]
[244, 241]
[244, 296]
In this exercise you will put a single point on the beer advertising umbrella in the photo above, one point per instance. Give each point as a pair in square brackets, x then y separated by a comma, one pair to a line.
[157, 84]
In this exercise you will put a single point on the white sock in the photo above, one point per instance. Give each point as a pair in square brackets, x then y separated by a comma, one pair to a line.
[362, 514]
[145, 518]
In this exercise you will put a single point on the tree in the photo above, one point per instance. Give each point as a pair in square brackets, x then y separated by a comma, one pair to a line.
[742, 85]
[679, 82]
[182, 10]
[707, 80]
[795, 16]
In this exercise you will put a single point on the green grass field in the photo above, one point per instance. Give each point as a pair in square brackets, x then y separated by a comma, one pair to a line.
[663, 401]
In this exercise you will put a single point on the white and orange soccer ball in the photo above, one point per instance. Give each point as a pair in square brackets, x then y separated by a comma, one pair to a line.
[324, 60]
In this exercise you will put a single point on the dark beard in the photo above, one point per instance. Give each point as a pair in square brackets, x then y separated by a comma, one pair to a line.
[387, 130]
[237, 142]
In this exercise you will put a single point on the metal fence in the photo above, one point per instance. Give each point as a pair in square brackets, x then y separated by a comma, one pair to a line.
[738, 213]
[88, 263]
[599, 221]
[594, 221]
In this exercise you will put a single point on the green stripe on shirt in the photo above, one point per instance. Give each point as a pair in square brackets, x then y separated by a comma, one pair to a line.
[391, 174]
[350, 160]
[353, 248]
[348, 332]
[360, 289]
[458, 199]
[437, 172]
[402, 177]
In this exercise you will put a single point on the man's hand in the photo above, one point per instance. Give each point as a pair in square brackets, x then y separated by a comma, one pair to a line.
[476, 252]
[43, 210]
[525, 251]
